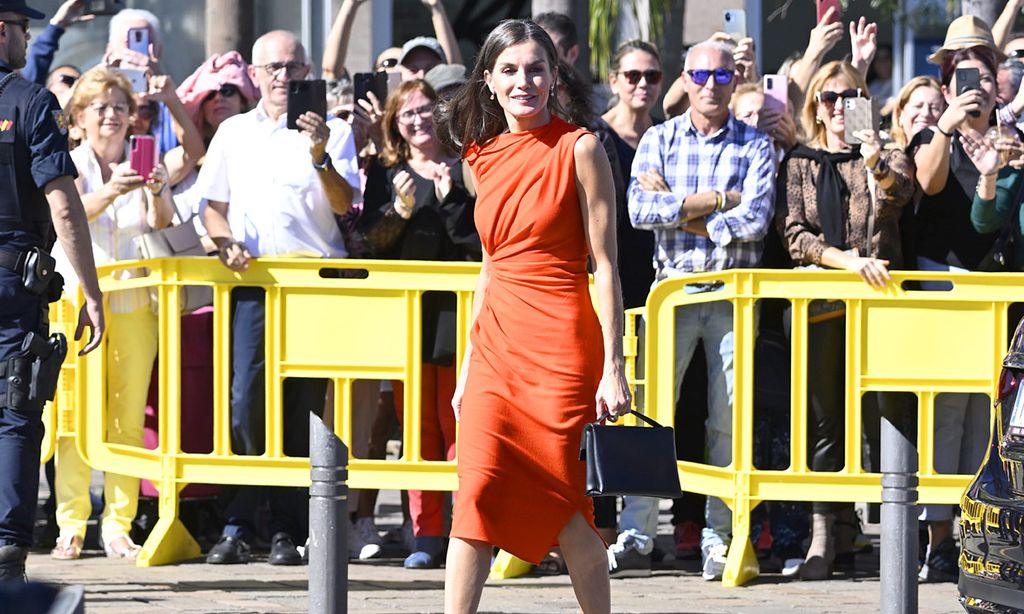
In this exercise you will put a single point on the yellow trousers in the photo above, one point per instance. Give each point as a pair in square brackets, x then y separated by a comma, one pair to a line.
[131, 347]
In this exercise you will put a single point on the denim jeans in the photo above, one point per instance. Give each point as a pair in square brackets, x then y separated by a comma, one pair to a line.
[713, 323]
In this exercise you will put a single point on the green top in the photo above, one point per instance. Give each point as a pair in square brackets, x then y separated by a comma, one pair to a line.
[990, 216]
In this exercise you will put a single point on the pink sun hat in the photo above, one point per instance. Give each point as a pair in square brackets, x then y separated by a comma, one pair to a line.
[226, 69]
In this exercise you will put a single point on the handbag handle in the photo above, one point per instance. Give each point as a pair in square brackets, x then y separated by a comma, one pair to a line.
[649, 421]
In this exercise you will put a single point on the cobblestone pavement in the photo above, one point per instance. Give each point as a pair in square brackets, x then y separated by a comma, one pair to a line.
[384, 586]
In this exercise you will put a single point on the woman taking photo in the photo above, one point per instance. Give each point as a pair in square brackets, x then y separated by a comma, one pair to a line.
[944, 239]
[120, 205]
[416, 207]
[839, 207]
[543, 206]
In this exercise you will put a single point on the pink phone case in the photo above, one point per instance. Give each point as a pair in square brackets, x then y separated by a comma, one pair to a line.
[142, 155]
[776, 92]
[824, 5]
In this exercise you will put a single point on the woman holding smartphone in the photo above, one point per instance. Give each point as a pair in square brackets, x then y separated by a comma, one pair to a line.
[837, 207]
[944, 239]
[121, 204]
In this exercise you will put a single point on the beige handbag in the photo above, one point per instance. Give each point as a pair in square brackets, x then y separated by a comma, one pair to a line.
[178, 240]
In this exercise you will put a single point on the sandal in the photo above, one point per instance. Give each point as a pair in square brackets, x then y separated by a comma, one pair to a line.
[122, 547]
[552, 565]
[68, 548]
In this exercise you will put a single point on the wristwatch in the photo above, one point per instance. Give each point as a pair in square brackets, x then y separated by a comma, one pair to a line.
[324, 164]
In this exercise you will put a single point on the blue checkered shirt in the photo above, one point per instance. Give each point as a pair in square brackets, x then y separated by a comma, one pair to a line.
[735, 158]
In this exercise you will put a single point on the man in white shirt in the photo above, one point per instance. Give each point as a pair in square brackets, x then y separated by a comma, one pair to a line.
[272, 191]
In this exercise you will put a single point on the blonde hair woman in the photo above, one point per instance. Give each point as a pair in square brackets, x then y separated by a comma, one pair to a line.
[120, 205]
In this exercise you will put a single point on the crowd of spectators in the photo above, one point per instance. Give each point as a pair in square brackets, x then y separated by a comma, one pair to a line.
[721, 174]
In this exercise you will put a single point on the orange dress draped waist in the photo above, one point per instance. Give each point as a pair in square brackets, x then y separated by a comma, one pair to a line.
[537, 348]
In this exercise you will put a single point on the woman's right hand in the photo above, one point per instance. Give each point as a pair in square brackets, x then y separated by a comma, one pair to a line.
[874, 271]
[124, 179]
[405, 193]
[460, 390]
[959, 110]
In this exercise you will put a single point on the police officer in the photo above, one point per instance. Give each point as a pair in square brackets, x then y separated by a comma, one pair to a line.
[38, 199]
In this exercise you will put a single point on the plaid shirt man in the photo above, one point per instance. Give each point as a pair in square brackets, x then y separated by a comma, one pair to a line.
[735, 158]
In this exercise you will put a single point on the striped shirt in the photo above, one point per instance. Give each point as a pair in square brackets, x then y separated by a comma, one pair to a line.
[735, 158]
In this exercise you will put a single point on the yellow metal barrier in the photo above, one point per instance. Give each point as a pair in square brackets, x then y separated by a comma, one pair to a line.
[926, 343]
[58, 415]
[342, 320]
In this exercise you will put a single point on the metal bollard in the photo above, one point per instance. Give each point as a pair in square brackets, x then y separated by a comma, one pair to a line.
[898, 560]
[328, 520]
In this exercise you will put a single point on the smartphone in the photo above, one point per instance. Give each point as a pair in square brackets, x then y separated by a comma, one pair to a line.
[142, 154]
[858, 114]
[304, 96]
[138, 40]
[103, 7]
[825, 5]
[138, 79]
[968, 79]
[776, 92]
[376, 82]
[734, 23]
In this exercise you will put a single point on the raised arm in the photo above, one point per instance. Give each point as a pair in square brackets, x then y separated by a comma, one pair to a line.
[192, 149]
[443, 31]
[823, 38]
[336, 47]
[1003, 27]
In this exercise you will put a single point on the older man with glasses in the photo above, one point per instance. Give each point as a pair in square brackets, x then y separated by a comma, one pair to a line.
[273, 191]
[704, 183]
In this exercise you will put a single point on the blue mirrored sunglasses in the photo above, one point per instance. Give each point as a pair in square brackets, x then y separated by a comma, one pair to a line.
[700, 76]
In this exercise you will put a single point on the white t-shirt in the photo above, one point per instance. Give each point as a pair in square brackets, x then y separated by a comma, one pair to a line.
[263, 170]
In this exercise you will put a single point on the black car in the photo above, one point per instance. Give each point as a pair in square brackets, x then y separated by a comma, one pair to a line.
[992, 508]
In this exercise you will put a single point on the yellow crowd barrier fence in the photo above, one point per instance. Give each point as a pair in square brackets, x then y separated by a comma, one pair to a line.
[348, 320]
[897, 340]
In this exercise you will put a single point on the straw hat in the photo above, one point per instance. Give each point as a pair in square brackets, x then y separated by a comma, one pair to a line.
[966, 31]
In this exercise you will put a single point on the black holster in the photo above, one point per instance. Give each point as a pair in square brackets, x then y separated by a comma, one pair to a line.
[32, 374]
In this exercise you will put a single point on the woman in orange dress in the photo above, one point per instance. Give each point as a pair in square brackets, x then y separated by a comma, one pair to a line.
[538, 365]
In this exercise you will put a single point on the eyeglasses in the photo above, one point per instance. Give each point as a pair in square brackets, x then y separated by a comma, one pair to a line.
[653, 77]
[830, 98]
[700, 76]
[1017, 53]
[226, 91]
[387, 63]
[22, 23]
[290, 68]
[424, 112]
[118, 109]
[68, 80]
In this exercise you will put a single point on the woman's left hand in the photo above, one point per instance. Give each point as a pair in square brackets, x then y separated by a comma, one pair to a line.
[442, 181]
[157, 180]
[981, 151]
[870, 146]
[613, 396]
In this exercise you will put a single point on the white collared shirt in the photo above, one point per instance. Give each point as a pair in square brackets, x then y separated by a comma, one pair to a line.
[263, 170]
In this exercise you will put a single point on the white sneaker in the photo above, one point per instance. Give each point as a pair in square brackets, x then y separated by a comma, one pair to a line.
[364, 542]
[714, 561]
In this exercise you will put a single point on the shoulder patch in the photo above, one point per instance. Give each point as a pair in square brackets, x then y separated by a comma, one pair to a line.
[62, 121]
[6, 124]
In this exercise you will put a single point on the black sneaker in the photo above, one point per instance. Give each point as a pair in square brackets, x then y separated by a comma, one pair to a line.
[283, 550]
[941, 563]
[629, 563]
[228, 550]
[12, 564]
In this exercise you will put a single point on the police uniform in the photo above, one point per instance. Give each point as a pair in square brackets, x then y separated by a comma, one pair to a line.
[33, 152]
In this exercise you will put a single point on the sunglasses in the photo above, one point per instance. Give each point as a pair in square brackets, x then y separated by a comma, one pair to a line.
[68, 80]
[226, 91]
[830, 98]
[700, 76]
[653, 77]
[387, 63]
[1017, 53]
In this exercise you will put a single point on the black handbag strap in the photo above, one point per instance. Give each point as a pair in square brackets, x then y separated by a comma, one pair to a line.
[649, 421]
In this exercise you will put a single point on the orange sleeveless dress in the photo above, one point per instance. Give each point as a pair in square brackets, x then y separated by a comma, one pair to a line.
[537, 349]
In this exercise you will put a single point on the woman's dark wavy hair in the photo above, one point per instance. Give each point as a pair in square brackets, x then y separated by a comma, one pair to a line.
[578, 91]
[980, 54]
[470, 116]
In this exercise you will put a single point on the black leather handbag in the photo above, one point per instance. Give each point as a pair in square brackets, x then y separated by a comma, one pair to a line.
[631, 460]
